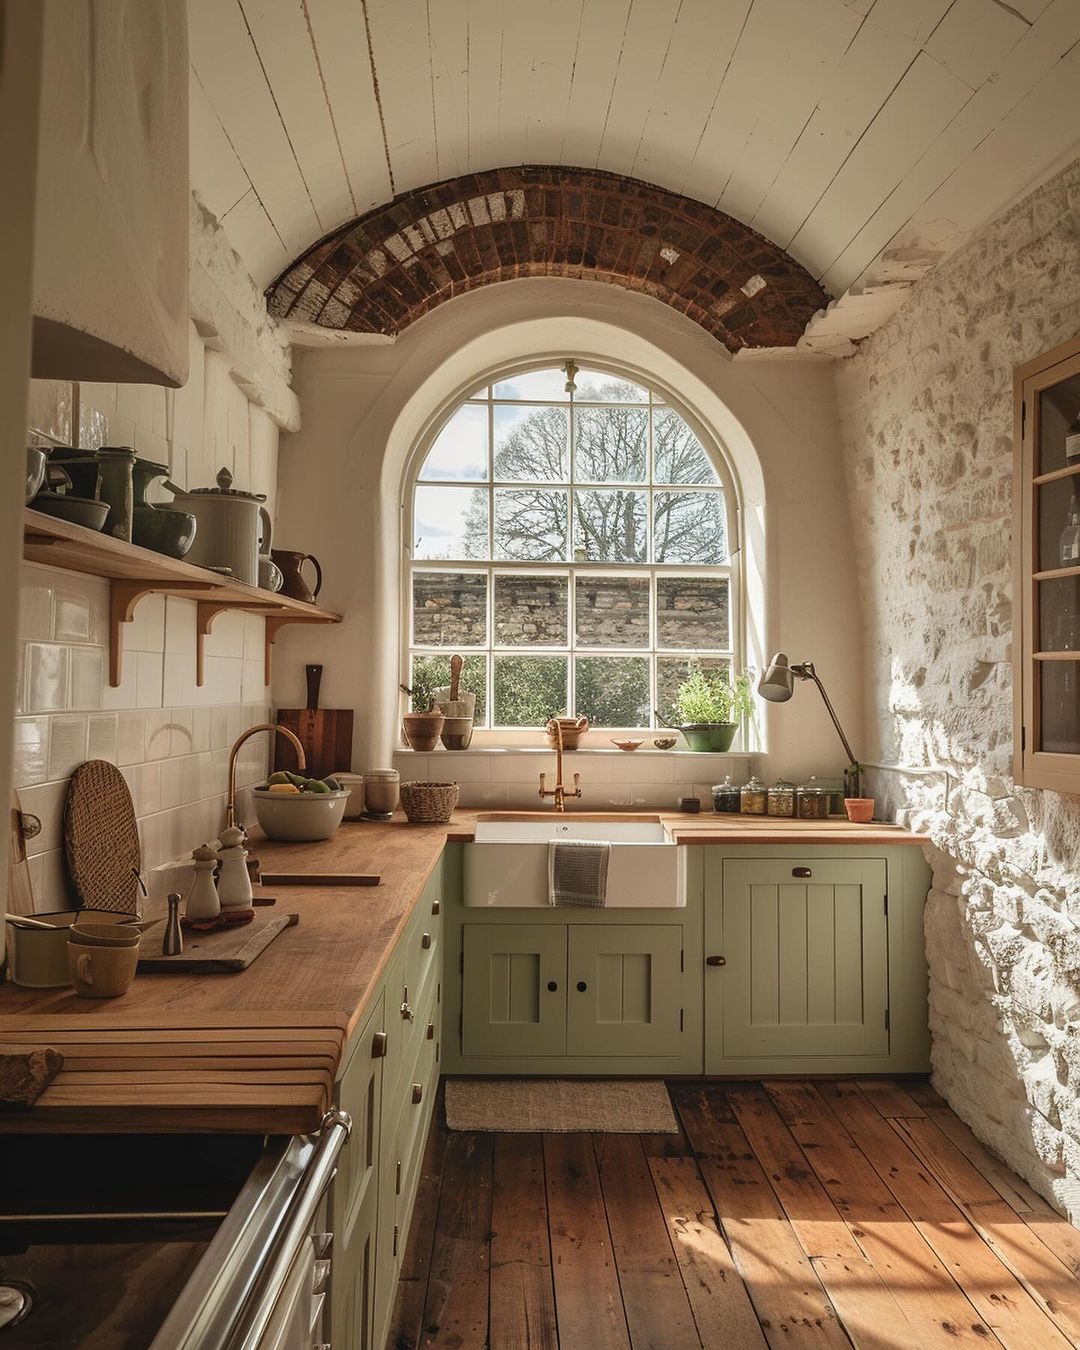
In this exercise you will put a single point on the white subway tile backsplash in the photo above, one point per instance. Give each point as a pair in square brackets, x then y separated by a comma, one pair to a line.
[71, 616]
[638, 766]
[67, 744]
[131, 737]
[181, 738]
[158, 734]
[35, 611]
[172, 783]
[484, 796]
[148, 686]
[46, 801]
[46, 677]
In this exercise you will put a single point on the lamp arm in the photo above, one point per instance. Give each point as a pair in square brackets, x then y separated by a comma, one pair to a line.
[811, 674]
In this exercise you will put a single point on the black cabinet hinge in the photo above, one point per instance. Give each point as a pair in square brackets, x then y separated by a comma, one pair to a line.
[682, 961]
[886, 1019]
[680, 1019]
[885, 902]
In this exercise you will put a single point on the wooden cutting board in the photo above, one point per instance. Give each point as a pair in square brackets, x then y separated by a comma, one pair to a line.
[326, 735]
[221, 952]
[20, 898]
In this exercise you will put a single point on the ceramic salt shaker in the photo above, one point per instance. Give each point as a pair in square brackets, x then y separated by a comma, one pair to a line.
[203, 906]
[234, 883]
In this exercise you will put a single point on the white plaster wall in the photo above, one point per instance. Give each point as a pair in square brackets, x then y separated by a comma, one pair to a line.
[926, 412]
[366, 406]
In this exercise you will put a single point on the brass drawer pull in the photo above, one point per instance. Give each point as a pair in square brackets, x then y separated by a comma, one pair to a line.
[716, 960]
[417, 1093]
[425, 941]
[436, 906]
[378, 1045]
[801, 872]
[431, 1031]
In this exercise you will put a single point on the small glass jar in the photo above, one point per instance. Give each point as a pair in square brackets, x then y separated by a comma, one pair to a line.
[781, 799]
[811, 801]
[725, 797]
[752, 797]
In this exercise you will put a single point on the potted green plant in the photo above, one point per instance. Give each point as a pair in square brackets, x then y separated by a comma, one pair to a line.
[712, 707]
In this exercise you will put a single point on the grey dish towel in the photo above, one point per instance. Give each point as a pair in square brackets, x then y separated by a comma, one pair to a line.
[577, 873]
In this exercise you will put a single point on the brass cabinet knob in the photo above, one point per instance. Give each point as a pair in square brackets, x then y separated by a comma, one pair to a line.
[801, 872]
[417, 1093]
[425, 941]
[716, 960]
[436, 906]
[430, 1031]
[378, 1045]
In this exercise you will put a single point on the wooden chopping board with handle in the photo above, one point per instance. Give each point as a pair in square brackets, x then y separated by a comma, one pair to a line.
[325, 733]
[20, 899]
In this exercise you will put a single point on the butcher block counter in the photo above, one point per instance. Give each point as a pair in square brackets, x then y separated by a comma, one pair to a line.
[257, 1050]
[260, 1050]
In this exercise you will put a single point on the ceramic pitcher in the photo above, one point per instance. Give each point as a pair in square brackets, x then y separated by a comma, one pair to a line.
[294, 585]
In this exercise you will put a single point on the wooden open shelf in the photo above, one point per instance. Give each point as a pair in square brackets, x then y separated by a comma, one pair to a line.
[133, 572]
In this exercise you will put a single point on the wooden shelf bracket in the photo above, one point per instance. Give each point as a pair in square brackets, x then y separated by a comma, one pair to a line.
[123, 597]
[206, 612]
[275, 622]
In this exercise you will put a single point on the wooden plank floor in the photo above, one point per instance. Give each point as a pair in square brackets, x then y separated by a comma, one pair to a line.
[797, 1214]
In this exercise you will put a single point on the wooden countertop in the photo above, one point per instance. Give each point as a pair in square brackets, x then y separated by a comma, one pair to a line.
[253, 1051]
[259, 1051]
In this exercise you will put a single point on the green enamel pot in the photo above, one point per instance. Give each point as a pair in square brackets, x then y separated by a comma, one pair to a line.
[711, 737]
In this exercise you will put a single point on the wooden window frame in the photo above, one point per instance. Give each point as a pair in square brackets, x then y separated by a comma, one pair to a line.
[1033, 767]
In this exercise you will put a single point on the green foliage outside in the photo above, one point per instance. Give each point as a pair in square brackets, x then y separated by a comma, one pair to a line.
[613, 691]
[704, 697]
[433, 672]
[529, 690]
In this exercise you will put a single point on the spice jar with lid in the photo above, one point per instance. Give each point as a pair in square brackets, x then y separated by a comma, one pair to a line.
[781, 798]
[752, 797]
[812, 801]
[725, 797]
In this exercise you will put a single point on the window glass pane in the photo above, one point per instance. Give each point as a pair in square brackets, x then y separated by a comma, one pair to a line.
[1059, 707]
[611, 611]
[460, 449]
[1058, 516]
[433, 672]
[1059, 409]
[530, 445]
[531, 611]
[678, 455]
[611, 445]
[670, 673]
[609, 526]
[541, 385]
[530, 524]
[529, 689]
[692, 613]
[613, 691]
[597, 386]
[689, 527]
[450, 522]
[449, 609]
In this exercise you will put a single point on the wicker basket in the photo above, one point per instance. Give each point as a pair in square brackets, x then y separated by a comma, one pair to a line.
[429, 803]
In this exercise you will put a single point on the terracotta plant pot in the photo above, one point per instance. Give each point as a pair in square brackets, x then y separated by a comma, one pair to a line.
[422, 730]
[860, 810]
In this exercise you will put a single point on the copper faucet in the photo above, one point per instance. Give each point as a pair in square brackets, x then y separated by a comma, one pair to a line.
[560, 793]
[301, 761]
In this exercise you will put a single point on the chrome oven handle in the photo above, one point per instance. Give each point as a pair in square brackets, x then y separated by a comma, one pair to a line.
[297, 1229]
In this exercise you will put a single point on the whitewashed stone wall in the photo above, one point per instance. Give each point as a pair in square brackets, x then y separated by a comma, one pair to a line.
[926, 416]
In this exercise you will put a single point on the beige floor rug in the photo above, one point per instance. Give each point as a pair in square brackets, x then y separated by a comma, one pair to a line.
[559, 1106]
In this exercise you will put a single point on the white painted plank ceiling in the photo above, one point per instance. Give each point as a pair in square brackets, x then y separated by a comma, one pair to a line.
[841, 129]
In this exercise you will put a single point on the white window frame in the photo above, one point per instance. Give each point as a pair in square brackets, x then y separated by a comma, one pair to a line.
[494, 737]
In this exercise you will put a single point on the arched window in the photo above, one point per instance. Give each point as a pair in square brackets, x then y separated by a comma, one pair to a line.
[572, 537]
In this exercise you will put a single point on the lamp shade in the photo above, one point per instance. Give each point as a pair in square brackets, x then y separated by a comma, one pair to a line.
[777, 683]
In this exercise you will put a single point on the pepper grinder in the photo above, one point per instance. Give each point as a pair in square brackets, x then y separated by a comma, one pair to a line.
[203, 909]
[172, 944]
[234, 883]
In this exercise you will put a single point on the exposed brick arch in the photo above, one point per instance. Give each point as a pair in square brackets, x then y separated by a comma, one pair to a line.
[379, 273]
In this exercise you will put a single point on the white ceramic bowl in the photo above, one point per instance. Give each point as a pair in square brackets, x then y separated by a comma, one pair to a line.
[299, 817]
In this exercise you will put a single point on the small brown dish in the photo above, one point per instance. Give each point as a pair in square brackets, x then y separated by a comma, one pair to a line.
[664, 742]
[626, 745]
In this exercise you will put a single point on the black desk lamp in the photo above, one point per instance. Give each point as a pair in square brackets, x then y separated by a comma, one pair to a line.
[777, 684]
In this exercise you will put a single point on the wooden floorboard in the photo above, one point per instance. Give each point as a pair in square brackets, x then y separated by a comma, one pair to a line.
[522, 1292]
[842, 1214]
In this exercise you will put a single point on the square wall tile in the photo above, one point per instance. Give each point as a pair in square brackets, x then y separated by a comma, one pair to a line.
[102, 736]
[46, 677]
[71, 616]
[31, 751]
[87, 677]
[67, 744]
[131, 737]
[35, 605]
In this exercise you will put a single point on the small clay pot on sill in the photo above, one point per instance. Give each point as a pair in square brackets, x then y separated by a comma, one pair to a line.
[422, 730]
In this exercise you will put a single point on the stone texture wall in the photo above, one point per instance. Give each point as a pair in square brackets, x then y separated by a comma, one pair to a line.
[379, 273]
[926, 415]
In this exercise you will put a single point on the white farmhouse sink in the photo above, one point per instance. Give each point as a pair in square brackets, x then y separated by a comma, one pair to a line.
[507, 866]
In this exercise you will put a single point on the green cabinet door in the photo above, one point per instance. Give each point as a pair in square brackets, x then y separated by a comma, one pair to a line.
[805, 958]
[625, 989]
[513, 989]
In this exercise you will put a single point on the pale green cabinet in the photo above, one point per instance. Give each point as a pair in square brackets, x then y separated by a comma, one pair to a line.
[624, 989]
[805, 952]
[563, 990]
[514, 989]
